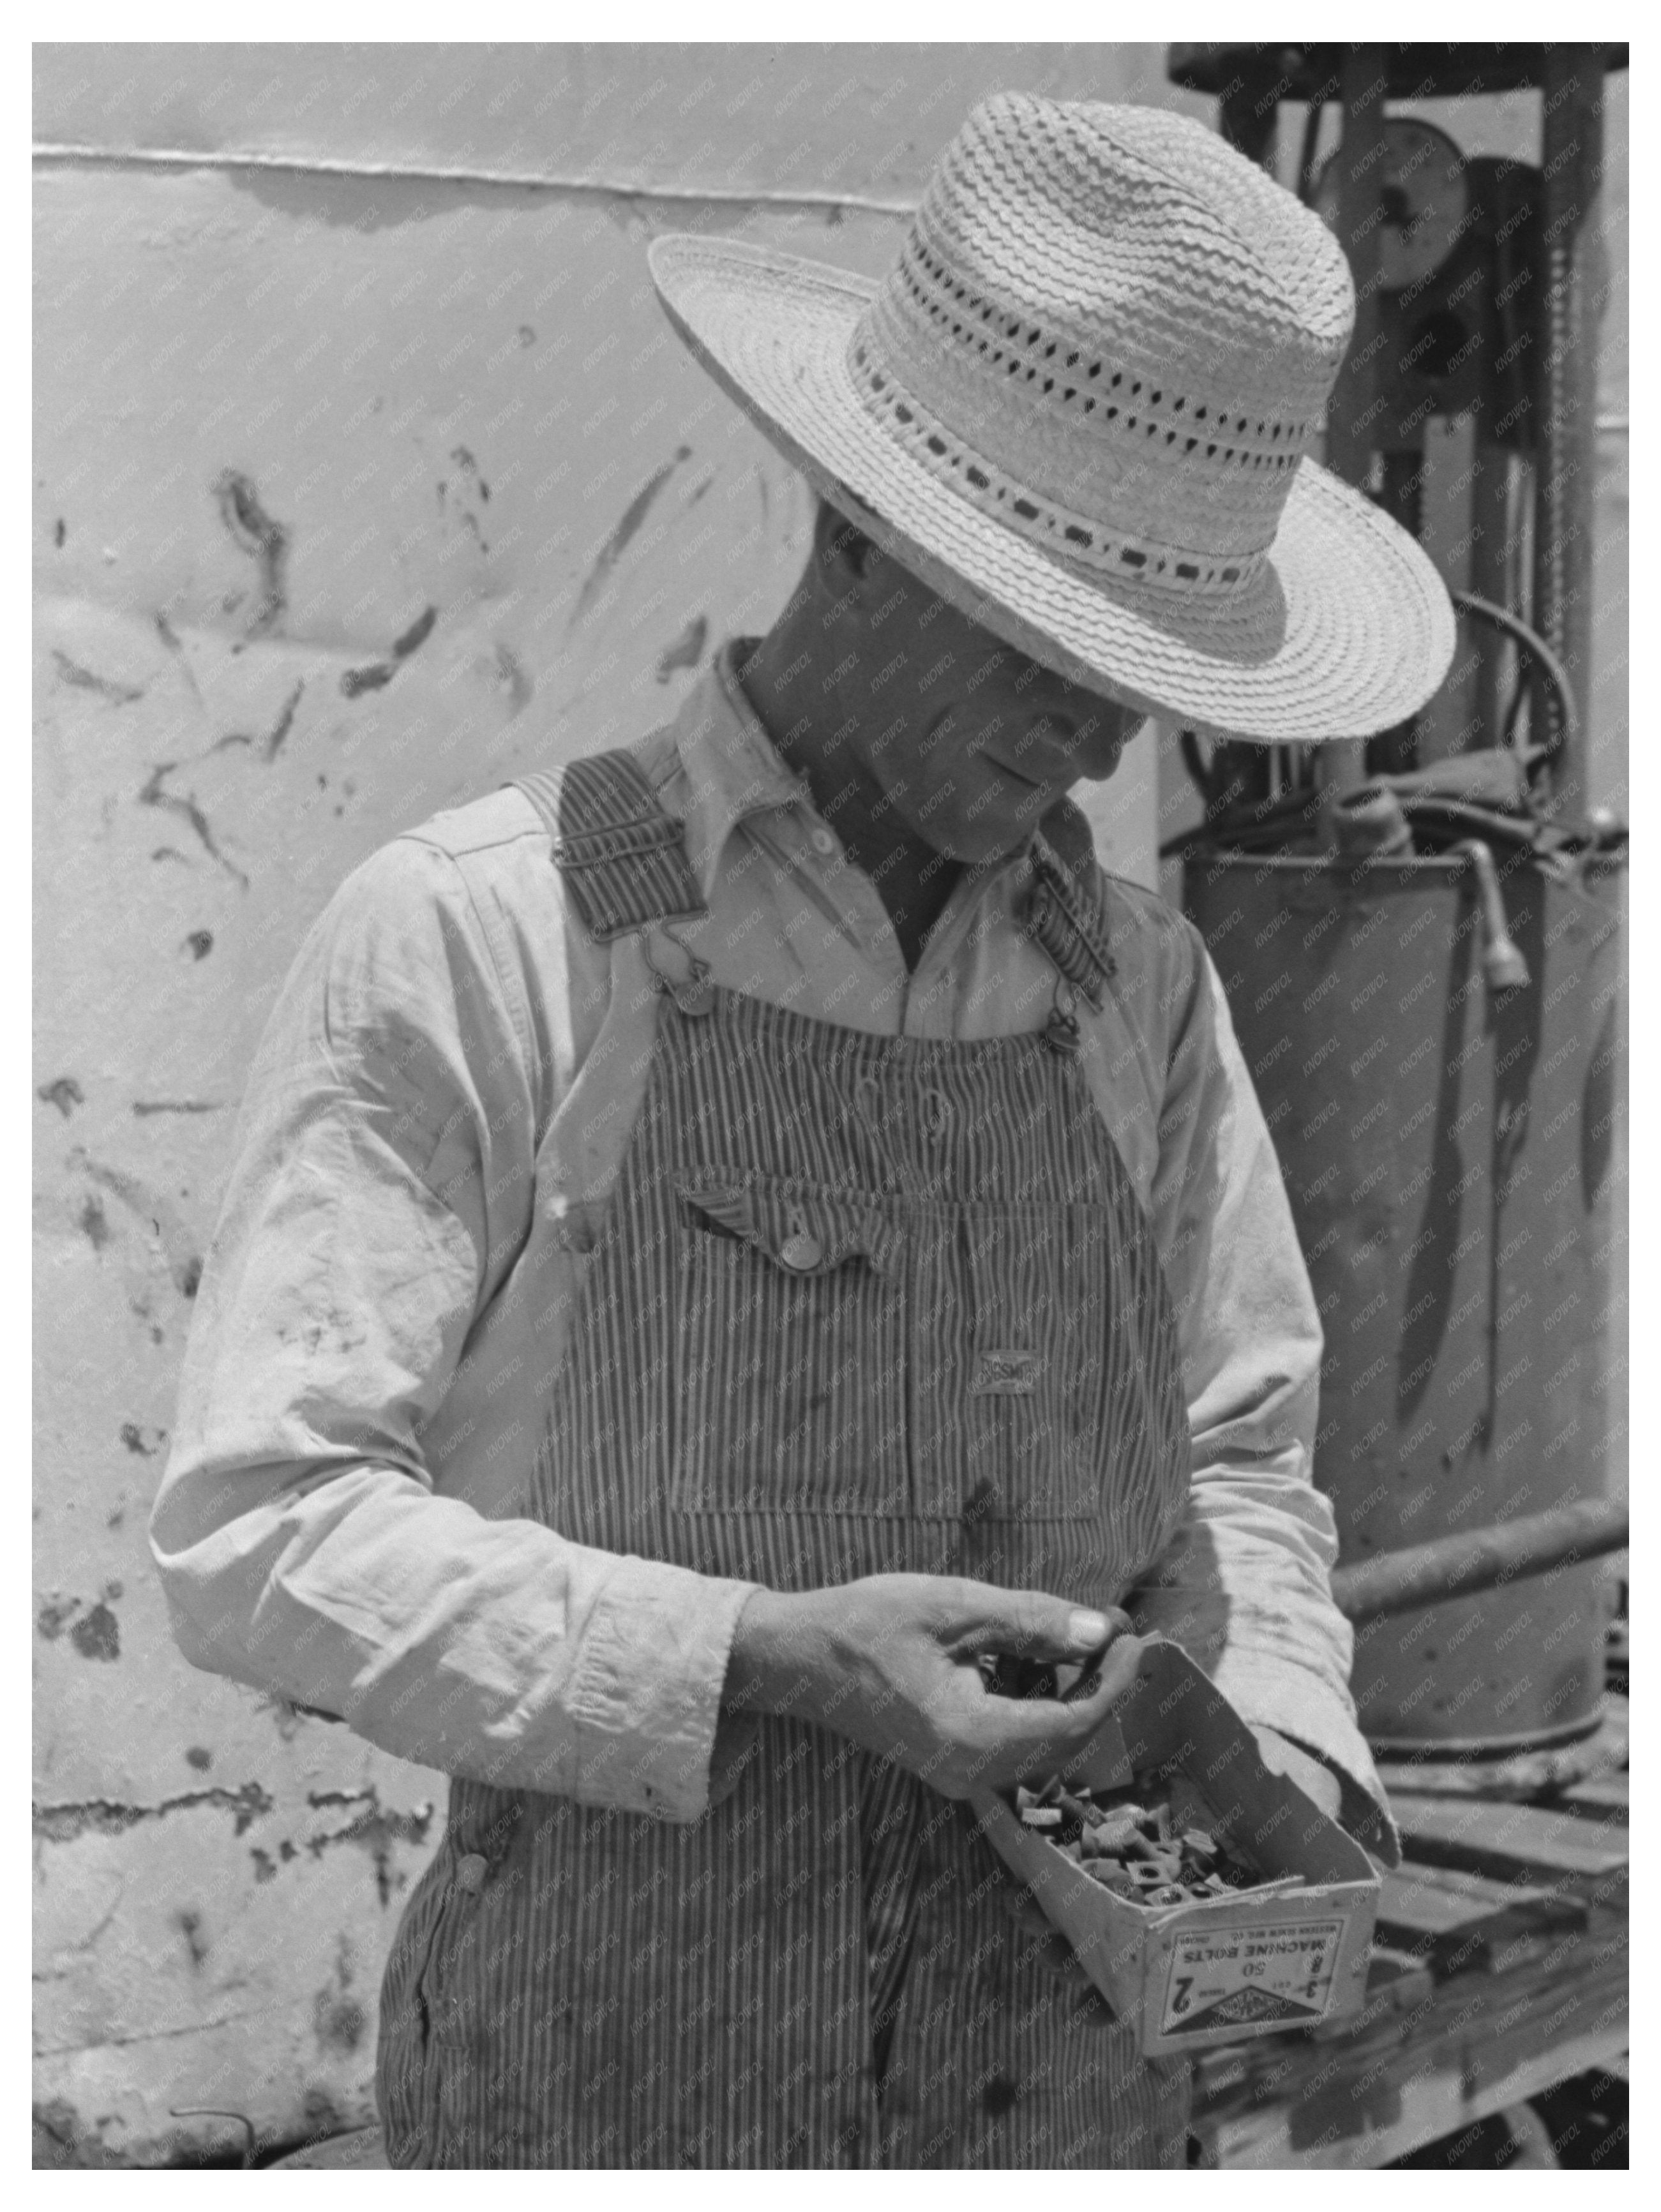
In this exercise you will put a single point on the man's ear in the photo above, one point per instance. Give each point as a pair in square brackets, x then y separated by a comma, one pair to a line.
[842, 550]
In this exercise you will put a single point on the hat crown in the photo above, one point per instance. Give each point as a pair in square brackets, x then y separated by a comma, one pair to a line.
[1113, 332]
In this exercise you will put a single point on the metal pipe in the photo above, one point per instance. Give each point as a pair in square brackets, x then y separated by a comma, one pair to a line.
[1572, 148]
[1478, 1559]
[1352, 412]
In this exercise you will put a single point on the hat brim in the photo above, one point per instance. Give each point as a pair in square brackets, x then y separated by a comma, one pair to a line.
[1348, 629]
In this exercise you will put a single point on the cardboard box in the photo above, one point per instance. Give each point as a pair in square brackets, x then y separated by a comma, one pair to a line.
[1217, 1970]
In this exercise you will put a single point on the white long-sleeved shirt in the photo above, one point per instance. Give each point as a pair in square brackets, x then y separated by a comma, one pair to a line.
[437, 1111]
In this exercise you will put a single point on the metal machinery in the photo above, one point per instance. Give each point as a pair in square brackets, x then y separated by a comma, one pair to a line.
[1422, 936]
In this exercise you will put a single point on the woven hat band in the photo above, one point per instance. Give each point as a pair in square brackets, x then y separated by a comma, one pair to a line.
[963, 461]
[1083, 339]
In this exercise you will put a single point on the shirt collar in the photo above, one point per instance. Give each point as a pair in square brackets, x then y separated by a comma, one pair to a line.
[731, 768]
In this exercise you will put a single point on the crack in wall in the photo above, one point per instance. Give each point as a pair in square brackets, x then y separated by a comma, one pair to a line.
[154, 795]
[259, 534]
[108, 1816]
[158, 2034]
[375, 1828]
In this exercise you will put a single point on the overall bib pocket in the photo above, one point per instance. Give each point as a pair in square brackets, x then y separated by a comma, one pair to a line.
[791, 1375]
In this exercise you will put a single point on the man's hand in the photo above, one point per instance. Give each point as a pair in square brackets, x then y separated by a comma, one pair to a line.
[890, 1661]
[1316, 1781]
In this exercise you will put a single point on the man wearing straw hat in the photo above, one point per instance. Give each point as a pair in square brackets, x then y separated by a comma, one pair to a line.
[731, 1233]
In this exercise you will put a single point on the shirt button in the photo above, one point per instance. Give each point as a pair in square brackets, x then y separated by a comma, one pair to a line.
[801, 1250]
[822, 842]
[471, 1871]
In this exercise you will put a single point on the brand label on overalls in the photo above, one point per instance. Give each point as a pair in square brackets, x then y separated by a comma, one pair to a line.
[1005, 1374]
[1236, 1976]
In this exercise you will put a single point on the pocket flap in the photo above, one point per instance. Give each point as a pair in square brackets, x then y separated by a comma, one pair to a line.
[806, 1232]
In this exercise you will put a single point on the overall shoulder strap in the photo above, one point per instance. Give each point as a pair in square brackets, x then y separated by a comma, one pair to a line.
[1066, 912]
[622, 855]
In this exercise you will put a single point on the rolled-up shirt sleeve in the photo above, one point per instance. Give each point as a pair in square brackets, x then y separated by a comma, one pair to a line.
[1244, 1584]
[382, 1188]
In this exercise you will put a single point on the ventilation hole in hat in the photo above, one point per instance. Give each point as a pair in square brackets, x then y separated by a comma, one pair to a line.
[1130, 421]
[1209, 451]
[1231, 576]
[1032, 336]
[1049, 383]
[1187, 570]
[1131, 559]
[1090, 407]
[1118, 378]
[1171, 437]
[1025, 509]
[978, 478]
[1180, 404]
[904, 414]
[937, 444]
[1079, 536]
[1072, 360]
[1068, 393]
[1095, 368]
[1155, 400]
[1191, 444]
[1199, 414]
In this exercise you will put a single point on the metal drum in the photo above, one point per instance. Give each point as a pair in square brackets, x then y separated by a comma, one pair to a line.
[1454, 1159]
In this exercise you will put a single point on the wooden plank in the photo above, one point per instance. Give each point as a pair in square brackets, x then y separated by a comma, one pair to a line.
[1480, 2042]
[1398, 1975]
[1603, 1793]
[1529, 1841]
[1452, 1917]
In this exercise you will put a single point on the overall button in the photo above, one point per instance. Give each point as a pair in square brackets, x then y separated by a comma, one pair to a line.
[801, 1250]
[472, 1872]
[822, 842]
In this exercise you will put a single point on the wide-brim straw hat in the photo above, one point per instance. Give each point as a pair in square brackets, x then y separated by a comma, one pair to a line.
[1079, 408]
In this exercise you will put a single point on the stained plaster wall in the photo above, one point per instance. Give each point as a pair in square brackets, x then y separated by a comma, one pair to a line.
[353, 498]
[355, 495]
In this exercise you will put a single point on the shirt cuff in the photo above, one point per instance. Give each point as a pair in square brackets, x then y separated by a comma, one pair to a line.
[1308, 1711]
[645, 1700]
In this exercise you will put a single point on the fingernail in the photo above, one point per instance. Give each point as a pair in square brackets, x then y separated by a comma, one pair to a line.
[1089, 1629]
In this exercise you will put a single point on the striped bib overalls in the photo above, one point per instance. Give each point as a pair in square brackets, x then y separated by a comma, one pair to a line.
[858, 1304]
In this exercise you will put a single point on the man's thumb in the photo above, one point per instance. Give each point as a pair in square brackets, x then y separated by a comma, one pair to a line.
[1038, 1626]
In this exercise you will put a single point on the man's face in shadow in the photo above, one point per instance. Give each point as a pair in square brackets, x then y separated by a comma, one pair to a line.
[969, 741]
